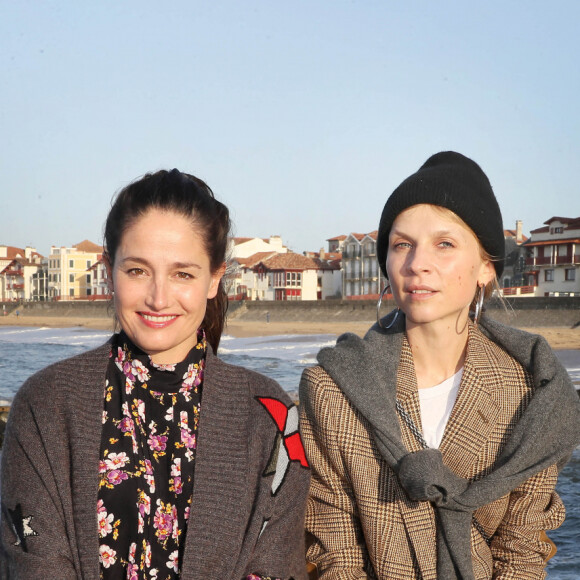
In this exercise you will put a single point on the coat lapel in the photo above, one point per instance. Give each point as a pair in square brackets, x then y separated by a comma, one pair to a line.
[220, 507]
[415, 514]
[476, 409]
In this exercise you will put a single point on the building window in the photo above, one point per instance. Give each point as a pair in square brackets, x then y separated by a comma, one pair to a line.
[71, 277]
[71, 292]
[71, 263]
[570, 274]
[558, 230]
[293, 279]
[89, 264]
[548, 275]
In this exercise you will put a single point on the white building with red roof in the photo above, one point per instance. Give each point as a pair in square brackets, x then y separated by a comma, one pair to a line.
[19, 268]
[553, 260]
[285, 276]
[246, 247]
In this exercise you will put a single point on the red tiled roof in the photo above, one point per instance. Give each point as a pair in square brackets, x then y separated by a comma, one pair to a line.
[323, 265]
[254, 259]
[569, 224]
[14, 252]
[552, 242]
[289, 261]
[564, 220]
[88, 246]
[241, 240]
[336, 238]
[359, 237]
[513, 234]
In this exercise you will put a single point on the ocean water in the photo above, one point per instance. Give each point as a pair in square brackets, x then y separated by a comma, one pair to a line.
[23, 351]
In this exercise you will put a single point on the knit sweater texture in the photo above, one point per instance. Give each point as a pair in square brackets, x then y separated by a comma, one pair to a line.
[237, 526]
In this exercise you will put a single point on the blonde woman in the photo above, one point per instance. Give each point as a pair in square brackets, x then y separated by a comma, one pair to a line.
[435, 442]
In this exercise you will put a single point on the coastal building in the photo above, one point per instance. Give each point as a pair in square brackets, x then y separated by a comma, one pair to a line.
[68, 275]
[361, 274]
[99, 289]
[247, 281]
[553, 260]
[285, 276]
[18, 266]
[515, 258]
[246, 247]
[335, 244]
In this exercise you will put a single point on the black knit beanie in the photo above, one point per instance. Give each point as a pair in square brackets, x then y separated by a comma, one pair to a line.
[450, 180]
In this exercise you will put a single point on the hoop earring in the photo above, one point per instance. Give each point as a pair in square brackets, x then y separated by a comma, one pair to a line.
[385, 290]
[479, 305]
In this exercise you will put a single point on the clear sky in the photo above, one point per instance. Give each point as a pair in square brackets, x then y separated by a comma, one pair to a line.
[302, 116]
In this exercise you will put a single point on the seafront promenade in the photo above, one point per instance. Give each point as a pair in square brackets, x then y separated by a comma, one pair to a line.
[557, 319]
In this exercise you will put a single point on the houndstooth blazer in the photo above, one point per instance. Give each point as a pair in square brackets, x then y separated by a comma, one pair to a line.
[361, 524]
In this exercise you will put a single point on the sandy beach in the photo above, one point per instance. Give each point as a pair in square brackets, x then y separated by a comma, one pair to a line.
[558, 337]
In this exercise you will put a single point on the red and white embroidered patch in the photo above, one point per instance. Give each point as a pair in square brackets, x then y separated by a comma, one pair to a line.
[287, 445]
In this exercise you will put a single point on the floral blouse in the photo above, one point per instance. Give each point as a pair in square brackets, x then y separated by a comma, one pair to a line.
[148, 445]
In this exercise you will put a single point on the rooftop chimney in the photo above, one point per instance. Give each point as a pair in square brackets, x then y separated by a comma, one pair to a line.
[519, 232]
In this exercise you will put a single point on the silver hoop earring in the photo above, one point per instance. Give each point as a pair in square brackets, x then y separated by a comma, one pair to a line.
[479, 305]
[385, 290]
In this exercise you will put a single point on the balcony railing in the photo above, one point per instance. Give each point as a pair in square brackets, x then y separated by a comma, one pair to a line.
[547, 261]
[519, 291]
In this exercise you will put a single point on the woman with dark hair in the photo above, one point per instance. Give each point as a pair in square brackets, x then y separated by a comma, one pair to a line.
[149, 457]
[435, 441]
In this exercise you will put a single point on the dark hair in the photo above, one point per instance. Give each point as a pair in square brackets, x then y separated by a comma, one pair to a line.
[188, 196]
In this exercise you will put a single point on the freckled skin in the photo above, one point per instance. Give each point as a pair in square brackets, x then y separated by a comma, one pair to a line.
[430, 250]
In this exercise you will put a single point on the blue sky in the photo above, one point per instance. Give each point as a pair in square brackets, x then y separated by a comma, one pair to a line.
[301, 116]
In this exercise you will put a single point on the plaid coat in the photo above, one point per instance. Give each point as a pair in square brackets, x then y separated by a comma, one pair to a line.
[361, 524]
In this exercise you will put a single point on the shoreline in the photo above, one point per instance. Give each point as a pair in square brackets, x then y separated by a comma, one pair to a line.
[559, 337]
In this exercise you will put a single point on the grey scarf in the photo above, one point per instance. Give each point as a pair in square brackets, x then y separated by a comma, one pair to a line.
[547, 433]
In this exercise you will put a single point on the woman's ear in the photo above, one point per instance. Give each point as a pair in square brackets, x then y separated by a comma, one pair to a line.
[215, 281]
[486, 273]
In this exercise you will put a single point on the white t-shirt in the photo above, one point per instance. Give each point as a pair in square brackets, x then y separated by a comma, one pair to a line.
[436, 406]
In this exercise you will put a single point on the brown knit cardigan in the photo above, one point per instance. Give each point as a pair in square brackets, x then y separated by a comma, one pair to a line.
[50, 478]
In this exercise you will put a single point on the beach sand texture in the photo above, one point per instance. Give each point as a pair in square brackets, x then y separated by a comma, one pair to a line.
[559, 337]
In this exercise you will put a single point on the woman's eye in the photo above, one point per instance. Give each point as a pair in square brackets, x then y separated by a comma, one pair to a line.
[135, 272]
[446, 244]
[184, 275]
[402, 245]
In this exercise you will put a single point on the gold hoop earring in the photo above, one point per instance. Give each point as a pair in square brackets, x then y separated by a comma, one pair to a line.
[385, 290]
[479, 304]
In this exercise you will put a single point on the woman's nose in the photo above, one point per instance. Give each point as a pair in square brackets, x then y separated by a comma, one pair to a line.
[418, 260]
[157, 298]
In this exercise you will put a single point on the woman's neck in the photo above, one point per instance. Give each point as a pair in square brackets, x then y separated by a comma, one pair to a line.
[438, 351]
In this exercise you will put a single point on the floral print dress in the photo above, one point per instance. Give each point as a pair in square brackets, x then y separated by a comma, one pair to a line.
[148, 445]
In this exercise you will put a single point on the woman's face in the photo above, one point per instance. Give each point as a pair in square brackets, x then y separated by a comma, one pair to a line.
[162, 281]
[434, 265]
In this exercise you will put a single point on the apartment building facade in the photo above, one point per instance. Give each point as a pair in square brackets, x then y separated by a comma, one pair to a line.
[19, 268]
[361, 275]
[287, 276]
[553, 257]
[99, 280]
[69, 274]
